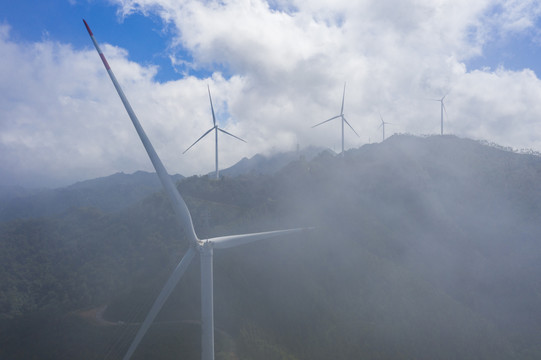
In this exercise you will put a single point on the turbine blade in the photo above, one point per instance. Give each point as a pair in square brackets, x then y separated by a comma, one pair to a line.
[225, 132]
[196, 141]
[212, 107]
[160, 300]
[323, 122]
[224, 242]
[351, 127]
[343, 97]
[179, 206]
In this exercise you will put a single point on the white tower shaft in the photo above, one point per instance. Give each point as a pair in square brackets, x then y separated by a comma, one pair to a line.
[216, 150]
[207, 306]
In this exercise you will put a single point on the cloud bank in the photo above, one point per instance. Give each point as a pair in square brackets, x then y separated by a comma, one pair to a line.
[277, 68]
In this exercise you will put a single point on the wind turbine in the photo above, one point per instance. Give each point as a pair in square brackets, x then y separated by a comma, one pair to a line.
[205, 248]
[341, 115]
[442, 110]
[382, 125]
[216, 128]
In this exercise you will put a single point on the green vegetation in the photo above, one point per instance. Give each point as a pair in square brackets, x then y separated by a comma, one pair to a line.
[424, 248]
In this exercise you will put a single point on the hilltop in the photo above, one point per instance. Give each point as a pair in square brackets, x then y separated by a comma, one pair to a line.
[269, 165]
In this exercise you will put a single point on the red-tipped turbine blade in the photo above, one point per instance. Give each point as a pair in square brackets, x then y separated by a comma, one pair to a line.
[181, 210]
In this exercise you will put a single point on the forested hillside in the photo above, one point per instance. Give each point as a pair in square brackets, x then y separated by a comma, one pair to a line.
[111, 193]
[422, 248]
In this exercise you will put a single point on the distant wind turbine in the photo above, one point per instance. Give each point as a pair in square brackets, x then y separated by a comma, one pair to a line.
[341, 115]
[205, 248]
[442, 110]
[382, 125]
[216, 128]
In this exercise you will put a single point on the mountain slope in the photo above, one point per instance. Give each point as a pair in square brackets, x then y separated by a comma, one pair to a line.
[424, 248]
[110, 193]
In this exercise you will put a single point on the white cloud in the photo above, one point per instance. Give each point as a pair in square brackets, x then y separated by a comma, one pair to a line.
[284, 66]
[517, 15]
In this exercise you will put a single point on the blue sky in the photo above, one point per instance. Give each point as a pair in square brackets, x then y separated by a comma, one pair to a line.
[274, 70]
[146, 37]
[515, 52]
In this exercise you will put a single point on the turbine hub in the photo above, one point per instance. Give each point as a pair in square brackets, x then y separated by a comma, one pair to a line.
[205, 246]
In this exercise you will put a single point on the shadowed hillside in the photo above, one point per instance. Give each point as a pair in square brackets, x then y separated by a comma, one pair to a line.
[424, 248]
[111, 193]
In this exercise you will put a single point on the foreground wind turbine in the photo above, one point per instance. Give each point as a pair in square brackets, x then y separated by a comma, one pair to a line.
[442, 110]
[216, 129]
[383, 123]
[205, 248]
[343, 119]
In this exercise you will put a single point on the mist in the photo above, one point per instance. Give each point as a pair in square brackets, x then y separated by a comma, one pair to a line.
[421, 247]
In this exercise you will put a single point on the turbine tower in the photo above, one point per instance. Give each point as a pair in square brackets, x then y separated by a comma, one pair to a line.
[382, 125]
[216, 128]
[442, 110]
[341, 115]
[205, 248]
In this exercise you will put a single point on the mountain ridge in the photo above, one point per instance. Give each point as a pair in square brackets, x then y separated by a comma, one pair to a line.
[109, 193]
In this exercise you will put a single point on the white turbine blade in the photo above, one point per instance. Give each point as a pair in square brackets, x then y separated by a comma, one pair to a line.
[343, 96]
[160, 300]
[181, 210]
[351, 127]
[212, 107]
[380, 125]
[224, 242]
[196, 141]
[225, 132]
[323, 122]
